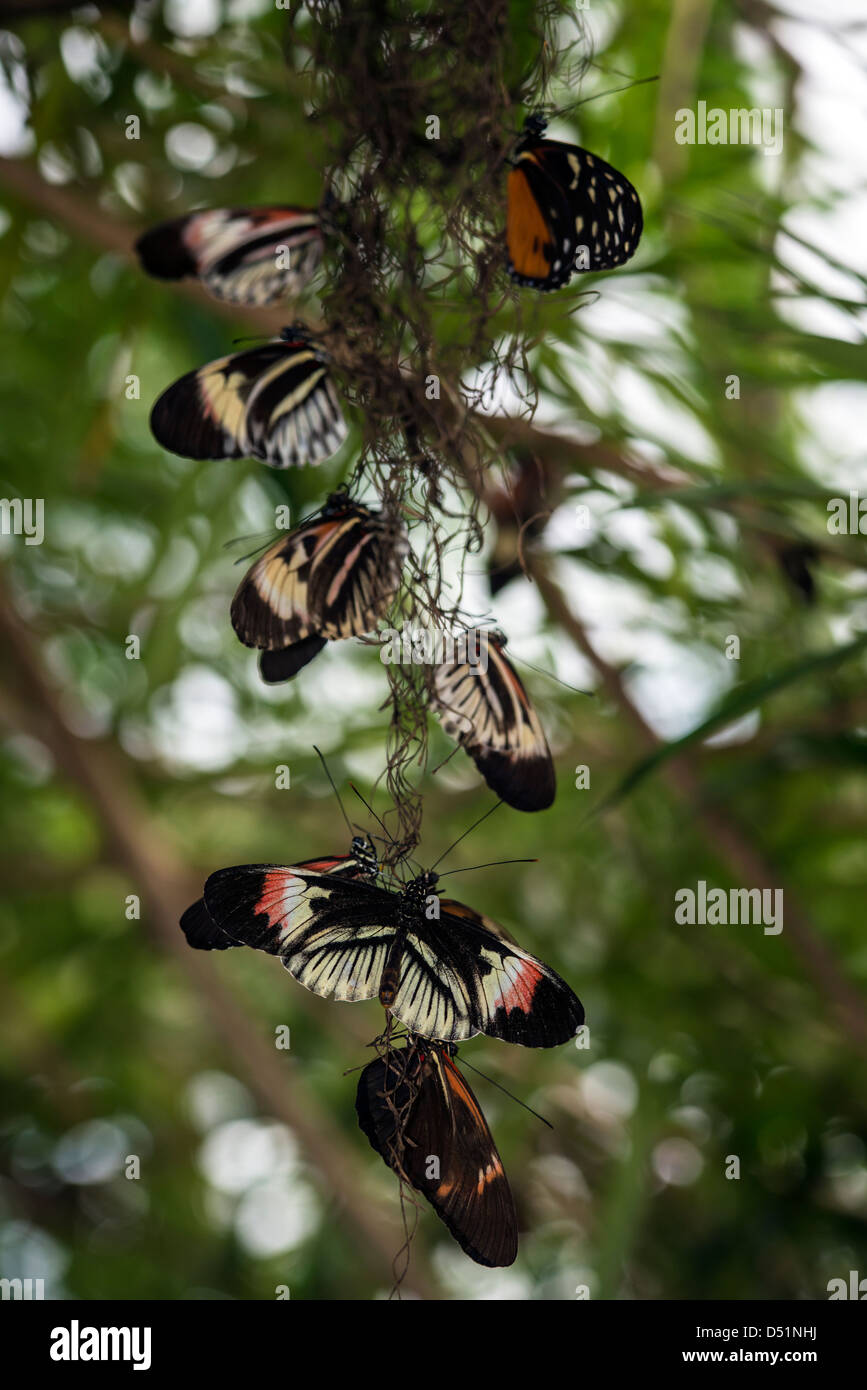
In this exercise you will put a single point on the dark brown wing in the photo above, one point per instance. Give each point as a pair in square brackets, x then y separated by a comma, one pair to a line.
[422, 1118]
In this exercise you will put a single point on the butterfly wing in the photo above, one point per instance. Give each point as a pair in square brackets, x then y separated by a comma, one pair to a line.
[480, 981]
[201, 415]
[333, 578]
[491, 716]
[275, 402]
[331, 933]
[357, 575]
[436, 995]
[202, 932]
[562, 198]
[279, 666]
[421, 1116]
[292, 415]
[242, 255]
[541, 251]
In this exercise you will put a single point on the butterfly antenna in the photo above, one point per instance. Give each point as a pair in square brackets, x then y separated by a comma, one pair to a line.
[494, 863]
[489, 812]
[456, 748]
[576, 690]
[243, 540]
[523, 1103]
[390, 838]
[260, 547]
[610, 92]
[333, 788]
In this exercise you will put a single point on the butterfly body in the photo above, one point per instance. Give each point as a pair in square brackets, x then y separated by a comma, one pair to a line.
[275, 402]
[413, 901]
[364, 855]
[420, 1115]
[568, 210]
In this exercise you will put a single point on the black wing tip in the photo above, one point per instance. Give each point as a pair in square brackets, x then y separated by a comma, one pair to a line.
[162, 252]
[159, 422]
[235, 871]
[554, 1018]
[547, 285]
[278, 666]
[363, 1108]
[525, 785]
[499, 1258]
[179, 426]
[498, 1261]
[201, 930]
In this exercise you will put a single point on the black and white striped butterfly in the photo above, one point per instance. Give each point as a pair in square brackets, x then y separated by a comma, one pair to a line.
[241, 255]
[414, 1106]
[275, 402]
[332, 578]
[567, 211]
[482, 703]
[441, 969]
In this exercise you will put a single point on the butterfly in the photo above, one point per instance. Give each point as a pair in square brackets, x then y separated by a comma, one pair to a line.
[567, 210]
[241, 255]
[274, 402]
[518, 514]
[415, 1107]
[202, 932]
[483, 704]
[331, 578]
[442, 969]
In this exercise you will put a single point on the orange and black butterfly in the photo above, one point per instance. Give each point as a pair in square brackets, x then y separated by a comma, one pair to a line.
[332, 578]
[241, 255]
[275, 402]
[567, 211]
[420, 1115]
[480, 701]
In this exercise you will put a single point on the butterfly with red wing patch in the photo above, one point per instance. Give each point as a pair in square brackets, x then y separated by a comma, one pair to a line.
[442, 969]
[414, 1105]
[332, 578]
[202, 932]
[252, 256]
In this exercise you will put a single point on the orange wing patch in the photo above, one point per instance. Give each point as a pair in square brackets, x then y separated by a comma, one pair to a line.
[527, 233]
